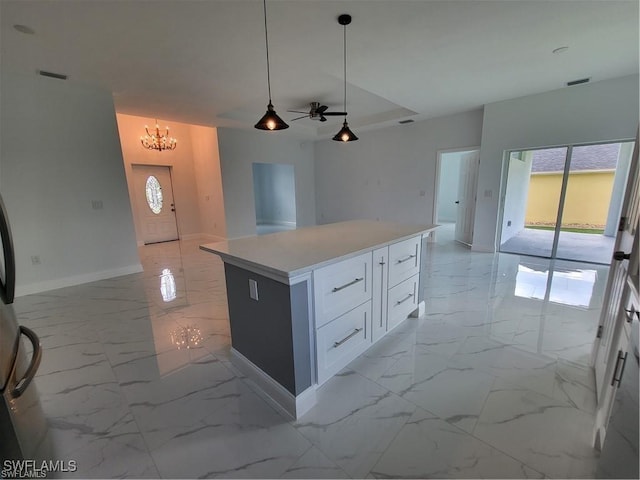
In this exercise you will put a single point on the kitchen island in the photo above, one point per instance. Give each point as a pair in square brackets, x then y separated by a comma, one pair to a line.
[304, 303]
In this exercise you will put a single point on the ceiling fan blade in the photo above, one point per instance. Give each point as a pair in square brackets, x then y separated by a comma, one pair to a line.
[298, 118]
[321, 109]
[335, 114]
[298, 111]
[323, 119]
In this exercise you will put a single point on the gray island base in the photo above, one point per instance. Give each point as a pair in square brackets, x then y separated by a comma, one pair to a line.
[304, 303]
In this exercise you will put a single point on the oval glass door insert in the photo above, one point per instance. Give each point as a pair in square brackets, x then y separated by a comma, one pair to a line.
[154, 194]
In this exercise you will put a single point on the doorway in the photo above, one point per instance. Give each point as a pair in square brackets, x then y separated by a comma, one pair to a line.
[455, 194]
[564, 202]
[274, 193]
[154, 203]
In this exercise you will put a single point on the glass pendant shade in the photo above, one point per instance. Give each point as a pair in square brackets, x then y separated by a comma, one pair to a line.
[271, 120]
[345, 134]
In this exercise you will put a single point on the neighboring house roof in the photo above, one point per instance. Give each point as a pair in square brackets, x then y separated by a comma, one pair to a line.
[588, 157]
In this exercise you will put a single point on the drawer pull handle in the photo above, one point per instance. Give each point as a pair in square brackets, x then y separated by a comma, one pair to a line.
[617, 377]
[355, 332]
[337, 289]
[405, 259]
[404, 299]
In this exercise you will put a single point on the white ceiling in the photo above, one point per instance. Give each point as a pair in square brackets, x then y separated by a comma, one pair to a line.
[203, 61]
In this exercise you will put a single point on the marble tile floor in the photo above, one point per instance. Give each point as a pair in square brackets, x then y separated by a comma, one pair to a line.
[492, 382]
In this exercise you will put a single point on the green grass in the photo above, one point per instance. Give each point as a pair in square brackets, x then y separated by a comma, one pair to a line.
[595, 231]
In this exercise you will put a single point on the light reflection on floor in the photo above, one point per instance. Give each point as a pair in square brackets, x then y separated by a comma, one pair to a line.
[567, 287]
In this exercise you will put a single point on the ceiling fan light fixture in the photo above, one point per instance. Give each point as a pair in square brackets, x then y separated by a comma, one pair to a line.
[345, 134]
[271, 121]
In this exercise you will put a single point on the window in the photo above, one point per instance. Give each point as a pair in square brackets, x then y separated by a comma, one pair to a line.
[154, 194]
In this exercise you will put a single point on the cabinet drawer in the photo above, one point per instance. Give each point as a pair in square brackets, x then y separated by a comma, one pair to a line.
[402, 300]
[340, 287]
[342, 340]
[404, 260]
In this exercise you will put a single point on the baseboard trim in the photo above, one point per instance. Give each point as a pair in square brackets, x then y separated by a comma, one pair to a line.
[278, 396]
[38, 287]
[207, 237]
[418, 312]
[482, 248]
[204, 236]
[282, 223]
[212, 238]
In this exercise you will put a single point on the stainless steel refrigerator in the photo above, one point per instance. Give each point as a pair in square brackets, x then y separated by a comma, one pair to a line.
[23, 426]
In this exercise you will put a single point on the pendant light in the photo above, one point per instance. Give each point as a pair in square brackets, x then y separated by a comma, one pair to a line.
[270, 120]
[345, 134]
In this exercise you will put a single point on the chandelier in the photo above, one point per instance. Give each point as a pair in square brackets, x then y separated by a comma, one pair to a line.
[158, 141]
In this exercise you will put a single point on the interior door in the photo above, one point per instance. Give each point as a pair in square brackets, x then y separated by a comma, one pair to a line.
[154, 203]
[467, 185]
[624, 264]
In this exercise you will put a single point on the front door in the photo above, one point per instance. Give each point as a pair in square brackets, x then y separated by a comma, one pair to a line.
[466, 202]
[154, 203]
[620, 269]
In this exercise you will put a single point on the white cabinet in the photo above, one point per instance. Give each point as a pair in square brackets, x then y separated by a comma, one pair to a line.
[621, 388]
[341, 286]
[358, 300]
[404, 269]
[342, 299]
[402, 300]
[404, 260]
[342, 340]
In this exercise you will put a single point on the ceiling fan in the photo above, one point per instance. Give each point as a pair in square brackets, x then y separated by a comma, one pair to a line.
[316, 112]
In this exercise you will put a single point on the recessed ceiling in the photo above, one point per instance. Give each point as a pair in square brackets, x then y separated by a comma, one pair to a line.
[203, 62]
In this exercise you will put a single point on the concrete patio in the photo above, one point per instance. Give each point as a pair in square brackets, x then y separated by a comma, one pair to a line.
[583, 247]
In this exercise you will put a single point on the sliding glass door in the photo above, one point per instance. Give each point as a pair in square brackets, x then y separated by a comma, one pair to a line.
[532, 201]
[565, 202]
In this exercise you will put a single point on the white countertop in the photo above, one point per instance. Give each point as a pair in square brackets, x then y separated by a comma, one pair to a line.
[294, 252]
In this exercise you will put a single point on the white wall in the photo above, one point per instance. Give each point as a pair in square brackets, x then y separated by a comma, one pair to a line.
[600, 111]
[388, 174]
[194, 173]
[516, 196]
[448, 183]
[60, 151]
[239, 149]
[206, 167]
[274, 190]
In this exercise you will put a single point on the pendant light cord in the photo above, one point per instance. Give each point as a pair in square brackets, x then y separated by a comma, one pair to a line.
[266, 42]
[345, 70]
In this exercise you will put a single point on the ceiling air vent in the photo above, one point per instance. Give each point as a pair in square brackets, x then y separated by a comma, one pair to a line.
[59, 76]
[404, 122]
[578, 82]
